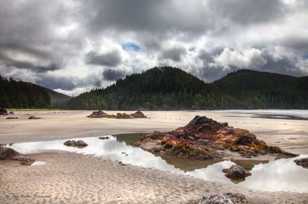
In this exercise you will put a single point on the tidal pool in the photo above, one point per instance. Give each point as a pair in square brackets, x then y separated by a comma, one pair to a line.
[278, 175]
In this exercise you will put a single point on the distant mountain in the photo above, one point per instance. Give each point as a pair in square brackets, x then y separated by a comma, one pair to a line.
[157, 88]
[19, 94]
[171, 89]
[253, 89]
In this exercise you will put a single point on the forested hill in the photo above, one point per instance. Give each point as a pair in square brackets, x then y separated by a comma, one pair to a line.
[18, 94]
[171, 89]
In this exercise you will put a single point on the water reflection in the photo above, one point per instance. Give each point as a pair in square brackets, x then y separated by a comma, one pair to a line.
[279, 175]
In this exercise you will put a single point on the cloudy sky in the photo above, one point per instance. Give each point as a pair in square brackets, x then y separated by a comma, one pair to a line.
[75, 45]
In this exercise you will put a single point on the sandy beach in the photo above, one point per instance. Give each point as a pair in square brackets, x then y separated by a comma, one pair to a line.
[74, 178]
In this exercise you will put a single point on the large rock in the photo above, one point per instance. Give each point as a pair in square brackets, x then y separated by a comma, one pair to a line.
[236, 172]
[10, 154]
[75, 143]
[302, 162]
[7, 153]
[204, 138]
[223, 198]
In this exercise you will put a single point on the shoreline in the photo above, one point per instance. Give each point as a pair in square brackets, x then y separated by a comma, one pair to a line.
[291, 135]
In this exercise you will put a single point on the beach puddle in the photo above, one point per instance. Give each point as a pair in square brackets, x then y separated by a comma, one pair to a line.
[278, 175]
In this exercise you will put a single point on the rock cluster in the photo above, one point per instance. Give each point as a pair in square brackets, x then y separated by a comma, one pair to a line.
[236, 172]
[75, 143]
[102, 114]
[223, 198]
[204, 138]
[302, 162]
[10, 154]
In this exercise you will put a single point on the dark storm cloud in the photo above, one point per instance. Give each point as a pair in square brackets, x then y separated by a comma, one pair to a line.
[249, 11]
[110, 59]
[174, 54]
[29, 28]
[113, 75]
[159, 16]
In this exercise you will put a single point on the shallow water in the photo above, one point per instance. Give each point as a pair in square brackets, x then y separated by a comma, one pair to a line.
[279, 175]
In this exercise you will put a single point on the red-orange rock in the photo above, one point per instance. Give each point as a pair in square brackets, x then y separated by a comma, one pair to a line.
[204, 138]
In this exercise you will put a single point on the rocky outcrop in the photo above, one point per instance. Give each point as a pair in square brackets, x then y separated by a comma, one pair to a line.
[32, 117]
[10, 154]
[102, 114]
[223, 198]
[302, 162]
[236, 172]
[75, 143]
[204, 138]
[3, 111]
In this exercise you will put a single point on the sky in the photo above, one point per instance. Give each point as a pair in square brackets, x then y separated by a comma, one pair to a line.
[74, 46]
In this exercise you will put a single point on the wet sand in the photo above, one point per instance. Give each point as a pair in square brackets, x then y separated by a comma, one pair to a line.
[75, 178]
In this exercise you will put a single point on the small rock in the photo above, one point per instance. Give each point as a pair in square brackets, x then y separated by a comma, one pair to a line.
[32, 117]
[124, 153]
[26, 161]
[104, 138]
[74, 143]
[236, 172]
[98, 114]
[302, 162]
[11, 118]
[121, 163]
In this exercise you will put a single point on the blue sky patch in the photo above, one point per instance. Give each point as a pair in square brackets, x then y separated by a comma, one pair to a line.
[131, 46]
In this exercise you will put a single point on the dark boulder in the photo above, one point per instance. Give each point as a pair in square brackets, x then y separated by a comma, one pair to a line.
[302, 162]
[75, 143]
[236, 172]
[10, 154]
